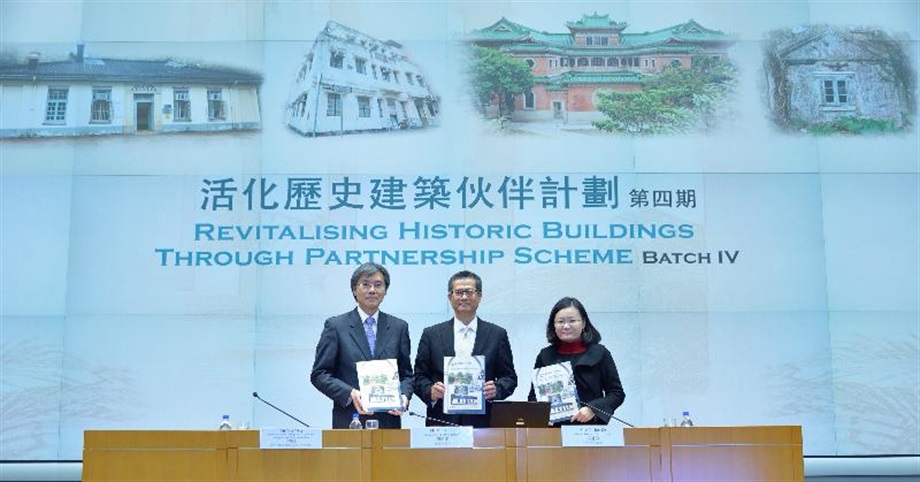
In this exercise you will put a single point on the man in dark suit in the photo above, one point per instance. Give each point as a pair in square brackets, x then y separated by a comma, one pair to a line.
[346, 340]
[464, 291]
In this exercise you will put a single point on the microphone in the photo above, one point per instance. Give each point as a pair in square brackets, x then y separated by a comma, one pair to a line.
[256, 395]
[609, 415]
[426, 417]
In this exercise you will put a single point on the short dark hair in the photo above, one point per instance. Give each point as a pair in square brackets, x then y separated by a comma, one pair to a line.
[589, 334]
[464, 274]
[368, 269]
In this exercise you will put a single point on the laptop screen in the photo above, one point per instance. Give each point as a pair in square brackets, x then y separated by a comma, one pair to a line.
[506, 414]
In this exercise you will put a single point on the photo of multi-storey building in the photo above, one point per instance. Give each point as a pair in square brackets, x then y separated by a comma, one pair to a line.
[84, 96]
[350, 82]
[595, 55]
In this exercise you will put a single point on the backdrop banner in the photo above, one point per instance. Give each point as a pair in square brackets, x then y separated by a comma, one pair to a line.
[732, 189]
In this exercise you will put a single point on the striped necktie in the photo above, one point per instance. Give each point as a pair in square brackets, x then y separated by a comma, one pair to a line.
[465, 346]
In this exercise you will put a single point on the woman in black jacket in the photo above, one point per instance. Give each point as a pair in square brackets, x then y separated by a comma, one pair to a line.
[574, 339]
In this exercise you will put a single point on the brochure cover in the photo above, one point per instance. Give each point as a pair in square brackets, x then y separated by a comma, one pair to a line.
[378, 381]
[556, 384]
[465, 380]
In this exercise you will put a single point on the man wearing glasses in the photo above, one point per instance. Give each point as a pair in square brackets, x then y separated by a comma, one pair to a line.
[364, 333]
[465, 334]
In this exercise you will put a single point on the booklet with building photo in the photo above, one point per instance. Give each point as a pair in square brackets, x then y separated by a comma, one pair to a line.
[556, 384]
[465, 379]
[378, 381]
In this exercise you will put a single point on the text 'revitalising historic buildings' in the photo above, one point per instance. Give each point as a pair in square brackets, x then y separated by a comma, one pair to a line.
[351, 82]
[92, 96]
[594, 55]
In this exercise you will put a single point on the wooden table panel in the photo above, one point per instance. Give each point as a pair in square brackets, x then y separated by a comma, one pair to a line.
[320, 465]
[587, 464]
[448, 465]
[736, 454]
[488, 460]
[738, 463]
[164, 439]
[772, 435]
[665, 454]
[154, 465]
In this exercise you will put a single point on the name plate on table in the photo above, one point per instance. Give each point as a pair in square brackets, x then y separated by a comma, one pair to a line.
[291, 438]
[441, 437]
[591, 436]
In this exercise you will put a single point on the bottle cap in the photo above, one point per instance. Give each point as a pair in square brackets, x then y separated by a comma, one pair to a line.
[226, 417]
[686, 413]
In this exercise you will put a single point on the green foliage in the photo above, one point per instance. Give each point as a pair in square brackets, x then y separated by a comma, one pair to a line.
[779, 88]
[497, 75]
[676, 100]
[645, 112]
[462, 378]
[847, 125]
[897, 69]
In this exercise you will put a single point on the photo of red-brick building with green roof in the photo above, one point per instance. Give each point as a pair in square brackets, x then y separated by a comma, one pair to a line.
[571, 68]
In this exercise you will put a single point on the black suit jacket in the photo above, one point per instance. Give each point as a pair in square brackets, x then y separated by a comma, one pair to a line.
[596, 379]
[437, 342]
[342, 344]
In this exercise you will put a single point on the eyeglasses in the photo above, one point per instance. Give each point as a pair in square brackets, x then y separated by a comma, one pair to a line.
[379, 286]
[464, 292]
[570, 322]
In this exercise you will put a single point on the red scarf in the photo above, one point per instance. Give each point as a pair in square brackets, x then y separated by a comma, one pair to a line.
[575, 348]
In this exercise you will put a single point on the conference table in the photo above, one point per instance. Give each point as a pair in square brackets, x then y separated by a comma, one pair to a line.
[659, 454]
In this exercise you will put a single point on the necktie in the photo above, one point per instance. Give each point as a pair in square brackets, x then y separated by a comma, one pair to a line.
[369, 331]
[465, 347]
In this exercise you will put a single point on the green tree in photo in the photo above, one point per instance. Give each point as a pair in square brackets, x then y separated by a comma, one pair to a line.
[645, 112]
[676, 100]
[495, 75]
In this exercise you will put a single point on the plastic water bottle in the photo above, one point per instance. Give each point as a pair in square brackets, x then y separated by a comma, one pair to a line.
[686, 421]
[355, 421]
[225, 423]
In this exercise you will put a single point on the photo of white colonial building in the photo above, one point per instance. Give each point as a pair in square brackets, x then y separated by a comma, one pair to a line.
[96, 96]
[351, 82]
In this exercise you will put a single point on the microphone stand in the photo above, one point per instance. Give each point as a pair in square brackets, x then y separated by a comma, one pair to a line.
[426, 417]
[609, 415]
[256, 395]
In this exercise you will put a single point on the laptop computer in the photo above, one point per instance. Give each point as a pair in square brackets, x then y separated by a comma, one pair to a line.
[507, 414]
